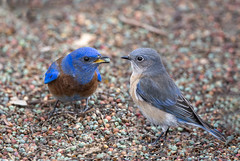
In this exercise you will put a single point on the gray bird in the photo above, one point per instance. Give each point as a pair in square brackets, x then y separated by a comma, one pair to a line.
[158, 97]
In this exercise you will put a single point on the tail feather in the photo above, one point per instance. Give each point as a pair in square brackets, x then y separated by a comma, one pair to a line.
[216, 134]
[208, 128]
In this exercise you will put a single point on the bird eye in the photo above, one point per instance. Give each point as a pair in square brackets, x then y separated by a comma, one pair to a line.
[140, 58]
[86, 58]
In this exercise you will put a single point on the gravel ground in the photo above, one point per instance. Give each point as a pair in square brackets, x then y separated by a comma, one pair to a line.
[199, 43]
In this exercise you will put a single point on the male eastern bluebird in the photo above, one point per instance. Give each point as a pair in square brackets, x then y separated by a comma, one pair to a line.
[158, 97]
[75, 76]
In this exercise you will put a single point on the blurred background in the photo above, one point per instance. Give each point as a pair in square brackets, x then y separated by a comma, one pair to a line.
[198, 41]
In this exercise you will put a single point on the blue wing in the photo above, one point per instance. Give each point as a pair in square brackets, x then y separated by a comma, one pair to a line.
[98, 75]
[162, 93]
[52, 73]
[160, 96]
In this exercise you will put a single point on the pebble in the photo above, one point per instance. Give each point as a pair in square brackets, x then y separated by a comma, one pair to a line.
[108, 118]
[99, 156]
[9, 149]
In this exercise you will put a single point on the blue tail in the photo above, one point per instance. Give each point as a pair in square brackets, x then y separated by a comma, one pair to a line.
[216, 134]
[207, 127]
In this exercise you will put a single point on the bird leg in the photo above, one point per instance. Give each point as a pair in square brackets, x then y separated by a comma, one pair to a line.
[163, 134]
[54, 109]
[86, 105]
[75, 107]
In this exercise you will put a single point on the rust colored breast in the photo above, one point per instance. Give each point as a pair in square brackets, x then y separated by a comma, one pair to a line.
[66, 86]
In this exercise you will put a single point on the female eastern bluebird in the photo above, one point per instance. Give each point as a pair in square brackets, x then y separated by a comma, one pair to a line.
[75, 76]
[158, 97]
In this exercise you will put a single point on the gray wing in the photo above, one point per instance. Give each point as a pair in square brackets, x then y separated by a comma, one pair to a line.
[162, 92]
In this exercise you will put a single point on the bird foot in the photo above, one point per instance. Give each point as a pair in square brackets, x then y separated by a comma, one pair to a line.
[53, 111]
[50, 114]
[157, 140]
[162, 135]
[85, 110]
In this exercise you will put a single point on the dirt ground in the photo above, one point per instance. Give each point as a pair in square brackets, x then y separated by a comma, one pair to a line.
[199, 44]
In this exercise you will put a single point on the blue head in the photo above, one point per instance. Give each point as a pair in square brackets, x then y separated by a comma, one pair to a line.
[82, 64]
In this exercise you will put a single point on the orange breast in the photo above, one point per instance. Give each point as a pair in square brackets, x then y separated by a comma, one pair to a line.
[65, 85]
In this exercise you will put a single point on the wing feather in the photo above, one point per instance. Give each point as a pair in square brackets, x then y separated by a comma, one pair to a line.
[98, 75]
[52, 73]
[167, 97]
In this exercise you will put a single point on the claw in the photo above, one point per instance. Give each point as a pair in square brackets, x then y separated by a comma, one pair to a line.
[163, 134]
[86, 106]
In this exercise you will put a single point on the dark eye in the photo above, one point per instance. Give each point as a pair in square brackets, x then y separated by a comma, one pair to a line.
[86, 58]
[140, 58]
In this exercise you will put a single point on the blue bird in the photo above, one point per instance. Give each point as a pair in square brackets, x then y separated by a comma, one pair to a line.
[75, 76]
[158, 97]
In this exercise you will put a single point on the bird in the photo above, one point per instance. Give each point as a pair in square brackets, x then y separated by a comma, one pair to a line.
[158, 97]
[75, 77]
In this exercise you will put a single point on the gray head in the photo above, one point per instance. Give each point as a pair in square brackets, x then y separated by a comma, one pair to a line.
[145, 59]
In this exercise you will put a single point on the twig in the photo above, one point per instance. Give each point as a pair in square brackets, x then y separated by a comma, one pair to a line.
[88, 111]
[10, 156]
[134, 22]
[92, 150]
[98, 112]
[122, 139]
[40, 101]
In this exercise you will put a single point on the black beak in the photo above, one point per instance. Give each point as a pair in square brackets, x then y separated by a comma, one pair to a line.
[126, 57]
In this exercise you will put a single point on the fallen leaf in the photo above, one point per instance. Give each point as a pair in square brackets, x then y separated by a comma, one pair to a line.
[18, 102]
[85, 39]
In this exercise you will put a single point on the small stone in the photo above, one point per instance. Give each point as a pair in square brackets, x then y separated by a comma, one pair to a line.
[191, 142]
[73, 148]
[108, 118]
[100, 122]
[115, 130]
[9, 149]
[107, 125]
[174, 148]
[107, 132]
[99, 156]
[123, 152]
[105, 120]
[180, 129]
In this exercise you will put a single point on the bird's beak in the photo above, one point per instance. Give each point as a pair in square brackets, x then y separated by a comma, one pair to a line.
[102, 59]
[126, 57]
